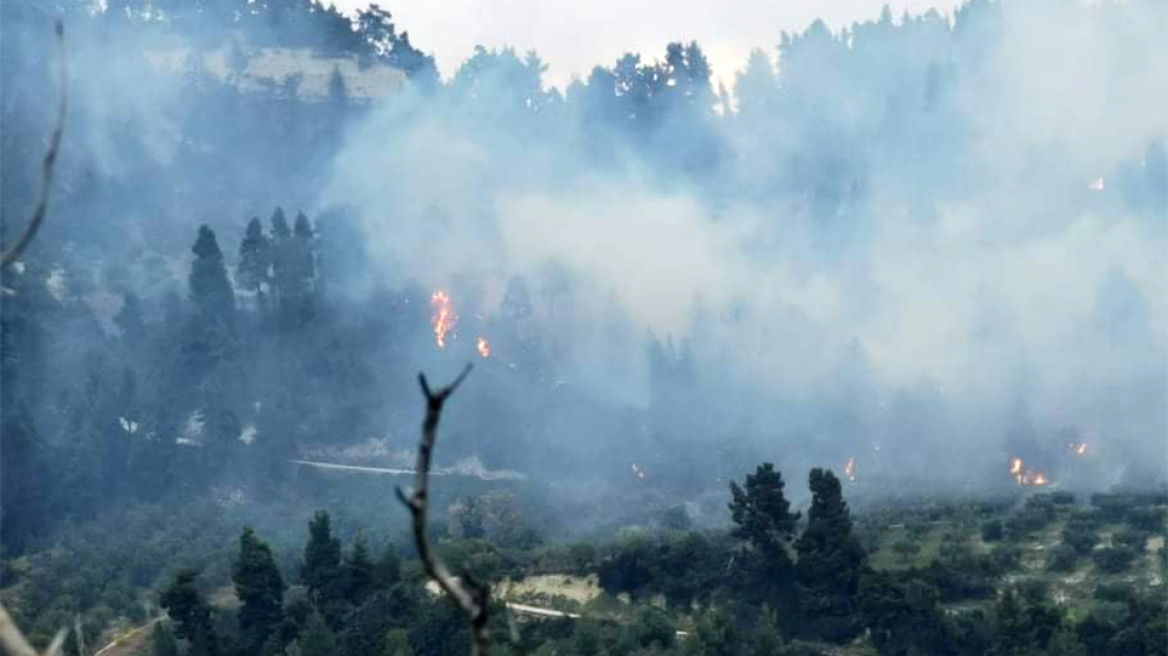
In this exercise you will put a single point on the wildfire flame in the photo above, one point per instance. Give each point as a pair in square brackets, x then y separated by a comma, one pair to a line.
[484, 347]
[443, 318]
[850, 469]
[638, 471]
[1098, 184]
[1079, 449]
[1026, 476]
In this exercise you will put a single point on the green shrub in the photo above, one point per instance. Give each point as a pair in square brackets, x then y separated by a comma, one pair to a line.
[992, 530]
[1061, 558]
[1080, 536]
[1114, 560]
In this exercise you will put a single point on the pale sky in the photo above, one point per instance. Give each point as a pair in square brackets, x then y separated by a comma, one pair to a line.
[572, 36]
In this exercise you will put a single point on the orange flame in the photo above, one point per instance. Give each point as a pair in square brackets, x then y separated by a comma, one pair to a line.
[1026, 476]
[1079, 449]
[484, 347]
[444, 318]
[1015, 467]
[850, 469]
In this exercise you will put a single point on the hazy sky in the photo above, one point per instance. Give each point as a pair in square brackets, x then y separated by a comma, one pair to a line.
[574, 35]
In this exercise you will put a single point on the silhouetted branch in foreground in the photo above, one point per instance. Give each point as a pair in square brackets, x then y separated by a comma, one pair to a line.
[13, 253]
[13, 641]
[472, 597]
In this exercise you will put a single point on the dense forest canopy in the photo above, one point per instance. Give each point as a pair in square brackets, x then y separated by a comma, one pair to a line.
[915, 255]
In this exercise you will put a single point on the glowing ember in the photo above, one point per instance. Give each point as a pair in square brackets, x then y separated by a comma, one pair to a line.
[850, 469]
[1098, 184]
[1015, 467]
[484, 347]
[1026, 476]
[444, 318]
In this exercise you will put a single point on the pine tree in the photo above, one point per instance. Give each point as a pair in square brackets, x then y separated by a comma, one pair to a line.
[830, 560]
[130, 321]
[387, 572]
[260, 588]
[317, 639]
[338, 91]
[323, 572]
[359, 571]
[211, 293]
[25, 477]
[255, 259]
[301, 264]
[162, 641]
[191, 613]
[763, 515]
[397, 643]
[765, 640]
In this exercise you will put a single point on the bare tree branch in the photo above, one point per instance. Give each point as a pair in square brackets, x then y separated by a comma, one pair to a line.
[9, 256]
[14, 642]
[471, 596]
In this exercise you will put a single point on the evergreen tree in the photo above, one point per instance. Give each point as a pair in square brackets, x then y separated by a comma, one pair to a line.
[191, 613]
[255, 259]
[830, 560]
[765, 640]
[162, 641]
[260, 589]
[323, 572]
[397, 643]
[211, 293]
[25, 477]
[317, 639]
[280, 228]
[387, 572]
[359, 571]
[338, 90]
[763, 515]
[301, 282]
[130, 321]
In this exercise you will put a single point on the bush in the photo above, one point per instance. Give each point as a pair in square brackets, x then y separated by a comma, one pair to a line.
[1147, 518]
[1062, 498]
[1134, 538]
[992, 530]
[1114, 560]
[1080, 536]
[1061, 558]
[1006, 558]
[1118, 592]
[906, 548]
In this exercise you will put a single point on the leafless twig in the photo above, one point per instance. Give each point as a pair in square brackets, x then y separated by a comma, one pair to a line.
[12, 254]
[471, 596]
[14, 642]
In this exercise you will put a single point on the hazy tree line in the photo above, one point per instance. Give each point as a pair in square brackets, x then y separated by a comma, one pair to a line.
[266, 338]
[159, 342]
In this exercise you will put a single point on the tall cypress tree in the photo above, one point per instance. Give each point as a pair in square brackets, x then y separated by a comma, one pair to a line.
[323, 572]
[387, 572]
[129, 320]
[191, 613]
[280, 245]
[255, 259]
[212, 295]
[261, 589]
[830, 560]
[359, 571]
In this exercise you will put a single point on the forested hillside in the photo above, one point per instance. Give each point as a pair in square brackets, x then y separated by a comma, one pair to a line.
[915, 262]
